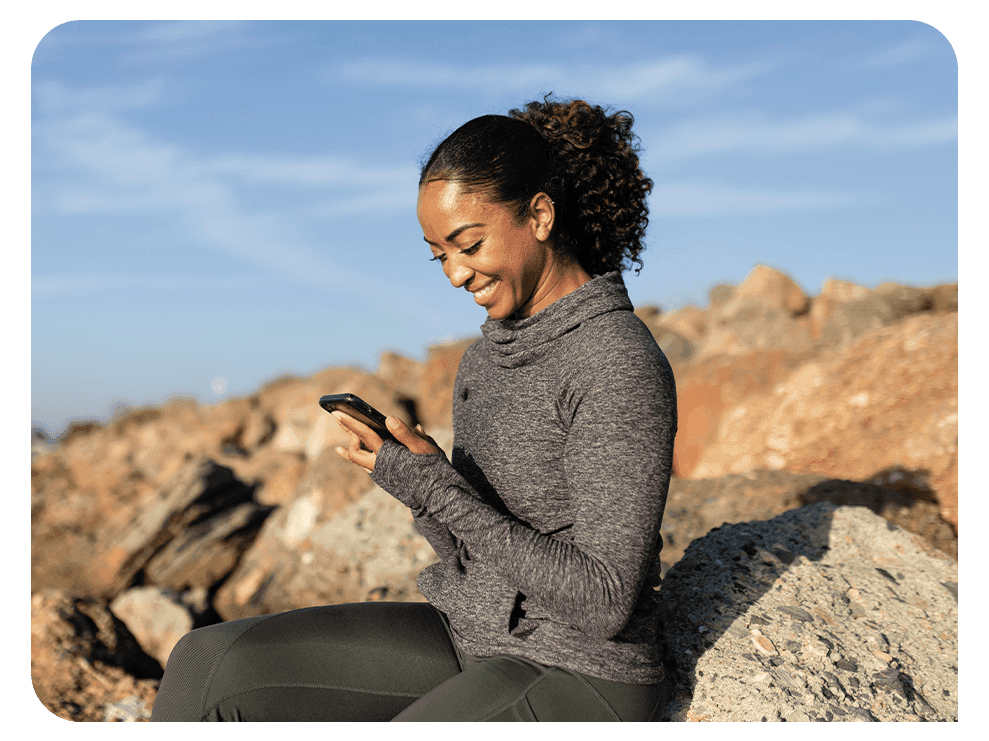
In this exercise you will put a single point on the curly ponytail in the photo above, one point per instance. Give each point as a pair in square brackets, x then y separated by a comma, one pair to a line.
[584, 159]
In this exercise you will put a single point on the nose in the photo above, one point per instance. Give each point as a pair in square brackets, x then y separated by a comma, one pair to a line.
[459, 274]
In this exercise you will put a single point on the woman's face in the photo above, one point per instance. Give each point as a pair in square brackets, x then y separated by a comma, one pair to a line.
[510, 267]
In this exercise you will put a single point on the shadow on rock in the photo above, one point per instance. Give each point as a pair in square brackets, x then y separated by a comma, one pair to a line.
[821, 613]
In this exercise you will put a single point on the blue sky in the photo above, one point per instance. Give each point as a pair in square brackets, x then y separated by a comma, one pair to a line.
[215, 204]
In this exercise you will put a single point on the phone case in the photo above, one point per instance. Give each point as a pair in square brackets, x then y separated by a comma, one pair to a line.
[358, 409]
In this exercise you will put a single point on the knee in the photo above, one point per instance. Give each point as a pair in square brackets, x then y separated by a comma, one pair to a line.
[191, 665]
[206, 646]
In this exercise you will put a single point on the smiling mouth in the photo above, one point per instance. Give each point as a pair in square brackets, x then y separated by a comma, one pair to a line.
[483, 293]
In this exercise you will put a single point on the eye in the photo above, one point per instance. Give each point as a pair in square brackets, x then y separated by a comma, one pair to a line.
[441, 258]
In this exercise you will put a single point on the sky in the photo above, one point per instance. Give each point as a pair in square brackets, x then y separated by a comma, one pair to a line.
[215, 204]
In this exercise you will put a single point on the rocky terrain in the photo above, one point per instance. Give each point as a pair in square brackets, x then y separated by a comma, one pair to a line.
[811, 526]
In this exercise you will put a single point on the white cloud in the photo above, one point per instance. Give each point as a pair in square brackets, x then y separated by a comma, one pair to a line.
[304, 172]
[907, 52]
[758, 134]
[171, 31]
[656, 81]
[96, 282]
[102, 165]
[52, 97]
[154, 41]
[706, 200]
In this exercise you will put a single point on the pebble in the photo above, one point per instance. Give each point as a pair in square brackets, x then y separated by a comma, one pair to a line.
[764, 645]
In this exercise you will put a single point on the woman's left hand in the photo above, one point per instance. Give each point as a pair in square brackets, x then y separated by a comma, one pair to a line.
[365, 442]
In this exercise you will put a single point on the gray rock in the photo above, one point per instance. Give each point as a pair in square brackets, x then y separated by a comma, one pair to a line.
[888, 304]
[821, 613]
[129, 710]
[156, 621]
[191, 534]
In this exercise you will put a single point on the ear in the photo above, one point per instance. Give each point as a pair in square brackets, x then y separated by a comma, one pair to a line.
[543, 215]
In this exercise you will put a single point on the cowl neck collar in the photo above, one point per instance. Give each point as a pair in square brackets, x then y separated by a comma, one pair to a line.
[512, 343]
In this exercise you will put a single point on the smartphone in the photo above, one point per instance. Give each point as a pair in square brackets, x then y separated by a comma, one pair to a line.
[359, 410]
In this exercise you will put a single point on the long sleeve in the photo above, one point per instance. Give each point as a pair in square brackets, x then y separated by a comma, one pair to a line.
[617, 459]
[436, 534]
[549, 511]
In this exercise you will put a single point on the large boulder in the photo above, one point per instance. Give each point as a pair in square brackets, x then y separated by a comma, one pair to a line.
[85, 663]
[435, 397]
[690, 322]
[675, 346]
[302, 427]
[708, 386]
[822, 613]
[889, 401]
[768, 310]
[370, 550]
[844, 311]
[694, 507]
[189, 533]
[401, 373]
[327, 549]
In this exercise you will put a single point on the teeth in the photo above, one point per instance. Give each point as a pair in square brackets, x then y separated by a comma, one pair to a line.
[486, 290]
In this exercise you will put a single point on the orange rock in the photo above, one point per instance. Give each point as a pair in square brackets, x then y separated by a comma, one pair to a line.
[889, 400]
[435, 398]
[707, 387]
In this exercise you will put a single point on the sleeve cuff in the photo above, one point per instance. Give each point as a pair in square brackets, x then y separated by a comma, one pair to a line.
[407, 476]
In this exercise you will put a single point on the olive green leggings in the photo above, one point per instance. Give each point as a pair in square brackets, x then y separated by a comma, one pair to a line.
[374, 661]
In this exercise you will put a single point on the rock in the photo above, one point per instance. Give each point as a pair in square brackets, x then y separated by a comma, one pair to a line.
[302, 427]
[945, 297]
[696, 506]
[706, 387]
[401, 373]
[690, 322]
[191, 534]
[720, 294]
[675, 346]
[768, 310]
[155, 621]
[370, 550]
[843, 290]
[822, 613]
[888, 401]
[899, 496]
[844, 312]
[315, 553]
[435, 397]
[85, 663]
[769, 288]
[128, 710]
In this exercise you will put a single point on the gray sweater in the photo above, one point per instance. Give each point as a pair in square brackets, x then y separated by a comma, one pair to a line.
[547, 522]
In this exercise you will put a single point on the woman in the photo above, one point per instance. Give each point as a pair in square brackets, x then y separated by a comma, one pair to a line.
[546, 522]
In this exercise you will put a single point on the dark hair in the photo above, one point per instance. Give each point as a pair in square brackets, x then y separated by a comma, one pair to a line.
[583, 158]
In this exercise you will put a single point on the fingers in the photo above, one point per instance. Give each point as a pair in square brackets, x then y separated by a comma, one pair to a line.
[371, 439]
[354, 454]
[415, 440]
[364, 442]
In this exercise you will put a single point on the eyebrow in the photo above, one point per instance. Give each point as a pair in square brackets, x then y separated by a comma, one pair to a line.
[456, 232]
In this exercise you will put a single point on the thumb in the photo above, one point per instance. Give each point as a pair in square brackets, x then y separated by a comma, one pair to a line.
[400, 430]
